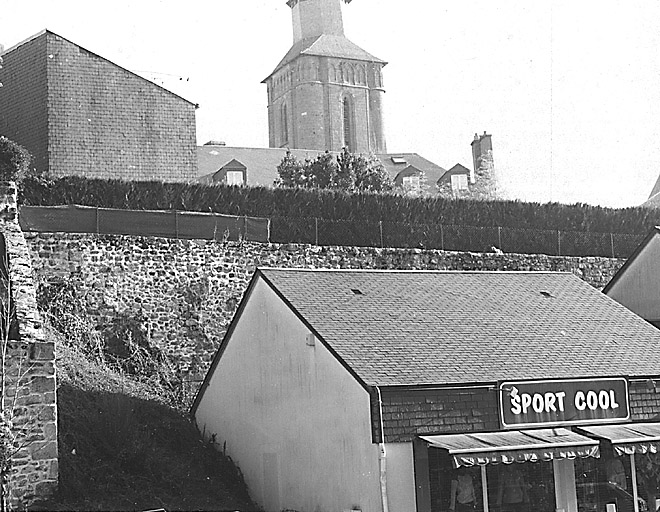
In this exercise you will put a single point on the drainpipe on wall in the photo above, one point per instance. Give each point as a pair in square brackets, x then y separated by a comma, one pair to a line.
[382, 456]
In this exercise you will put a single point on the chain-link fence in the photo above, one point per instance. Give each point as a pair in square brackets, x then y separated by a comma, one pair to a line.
[452, 238]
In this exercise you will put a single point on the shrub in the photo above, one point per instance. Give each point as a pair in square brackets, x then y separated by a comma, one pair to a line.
[14, 160]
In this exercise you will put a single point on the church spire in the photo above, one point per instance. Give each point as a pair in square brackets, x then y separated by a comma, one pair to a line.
[312, 18]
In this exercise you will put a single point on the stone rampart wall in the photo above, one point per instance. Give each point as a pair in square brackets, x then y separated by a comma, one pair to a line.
[189, 290]
[29, 391]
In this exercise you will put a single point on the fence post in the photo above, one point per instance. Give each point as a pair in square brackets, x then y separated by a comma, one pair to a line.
[558, 243]
[612, 244]
[380, 226]
[499, 237]
[316, 229]
[97, 220]
[442, 238]
[176, 224]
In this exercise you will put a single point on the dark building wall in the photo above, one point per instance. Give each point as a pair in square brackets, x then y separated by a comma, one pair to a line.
[23, 98]
[406, 415]
[106, 122]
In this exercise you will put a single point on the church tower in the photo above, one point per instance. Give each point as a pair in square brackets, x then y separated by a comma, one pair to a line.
[326, 93]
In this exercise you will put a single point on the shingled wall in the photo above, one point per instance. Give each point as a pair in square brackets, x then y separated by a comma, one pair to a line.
[451, 410]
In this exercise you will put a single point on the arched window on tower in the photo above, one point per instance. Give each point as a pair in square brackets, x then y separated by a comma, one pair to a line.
[349, 124]
[285, 126]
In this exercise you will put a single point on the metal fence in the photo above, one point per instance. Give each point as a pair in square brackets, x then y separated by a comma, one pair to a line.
[170, 224]
[319, 231]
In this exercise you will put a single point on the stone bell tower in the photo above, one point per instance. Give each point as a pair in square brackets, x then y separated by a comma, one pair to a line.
[326, 93]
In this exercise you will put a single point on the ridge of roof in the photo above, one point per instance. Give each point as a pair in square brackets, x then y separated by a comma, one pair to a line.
[415, 271]
[47, 31]
[642, 245]
[419, 328]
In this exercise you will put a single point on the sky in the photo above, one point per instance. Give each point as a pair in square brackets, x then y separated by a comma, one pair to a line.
[568, 89]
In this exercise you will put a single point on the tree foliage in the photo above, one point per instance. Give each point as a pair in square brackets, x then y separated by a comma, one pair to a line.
[14, 160]
[347, 172]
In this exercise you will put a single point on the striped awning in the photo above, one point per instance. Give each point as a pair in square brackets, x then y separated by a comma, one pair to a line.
[479, 449]
[629, 438]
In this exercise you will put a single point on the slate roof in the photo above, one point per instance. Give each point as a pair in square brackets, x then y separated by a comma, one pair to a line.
[432, 171]
[326, 45]
[262, 163]
[426, 328]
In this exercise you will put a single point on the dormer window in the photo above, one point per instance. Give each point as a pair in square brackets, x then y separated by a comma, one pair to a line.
[411, 183]
[234, 177]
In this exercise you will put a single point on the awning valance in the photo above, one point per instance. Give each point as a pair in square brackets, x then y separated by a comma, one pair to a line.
[629, 438]
[478, 449]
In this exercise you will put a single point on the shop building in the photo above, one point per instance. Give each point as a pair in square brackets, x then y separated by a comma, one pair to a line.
[433, 391]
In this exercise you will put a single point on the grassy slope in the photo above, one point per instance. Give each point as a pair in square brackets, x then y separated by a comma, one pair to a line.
[121, 448]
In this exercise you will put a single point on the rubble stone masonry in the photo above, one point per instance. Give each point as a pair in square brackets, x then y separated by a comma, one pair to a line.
[30, 388]
[190, 289]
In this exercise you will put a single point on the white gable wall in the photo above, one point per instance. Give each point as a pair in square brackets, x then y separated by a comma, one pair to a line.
[293, 419]
[638, 288]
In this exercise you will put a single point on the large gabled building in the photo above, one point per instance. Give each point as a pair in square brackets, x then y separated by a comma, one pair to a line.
[79, 114]
[367, 390]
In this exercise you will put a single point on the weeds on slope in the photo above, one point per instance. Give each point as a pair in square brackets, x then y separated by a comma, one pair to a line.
[124, 441]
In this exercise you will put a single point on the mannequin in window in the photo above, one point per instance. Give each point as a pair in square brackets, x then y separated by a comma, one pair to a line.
[512, 489]
[615, 473]
[462, 491]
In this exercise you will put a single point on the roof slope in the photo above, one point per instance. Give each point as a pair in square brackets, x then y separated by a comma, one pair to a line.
[262, 163]
[47, 32]
[326, 45]
[416, 328]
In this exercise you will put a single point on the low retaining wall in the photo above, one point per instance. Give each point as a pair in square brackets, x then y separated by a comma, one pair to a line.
[189, 289]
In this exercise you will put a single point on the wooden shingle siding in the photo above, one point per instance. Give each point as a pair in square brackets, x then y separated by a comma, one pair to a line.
[408, 415]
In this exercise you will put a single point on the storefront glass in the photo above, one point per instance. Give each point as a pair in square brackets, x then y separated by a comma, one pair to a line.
[647, 467]
[521, 487]
[604, 483]
[458, 488]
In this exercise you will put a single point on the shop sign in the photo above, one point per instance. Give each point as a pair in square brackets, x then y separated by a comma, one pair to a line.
[563, 402]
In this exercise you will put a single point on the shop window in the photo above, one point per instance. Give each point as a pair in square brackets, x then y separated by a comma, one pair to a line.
[460, 488]
[520, 487]
[606, 481]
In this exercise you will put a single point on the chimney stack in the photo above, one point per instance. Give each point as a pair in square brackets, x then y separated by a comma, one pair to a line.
[482, 145]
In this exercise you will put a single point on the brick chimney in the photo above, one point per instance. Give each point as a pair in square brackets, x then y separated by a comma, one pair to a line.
[482, 145]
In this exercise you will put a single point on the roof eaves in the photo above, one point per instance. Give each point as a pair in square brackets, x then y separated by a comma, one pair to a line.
[25, 41]
[196, 105]
[222, 347]
[631, 258]
[313, 330]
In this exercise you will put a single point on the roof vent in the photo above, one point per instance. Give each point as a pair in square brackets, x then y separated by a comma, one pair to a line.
[216, 143]
[546, 294]
[356, 291]
[398, 160]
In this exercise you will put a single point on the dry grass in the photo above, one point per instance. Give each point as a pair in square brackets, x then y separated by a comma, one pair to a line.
[123, 448]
